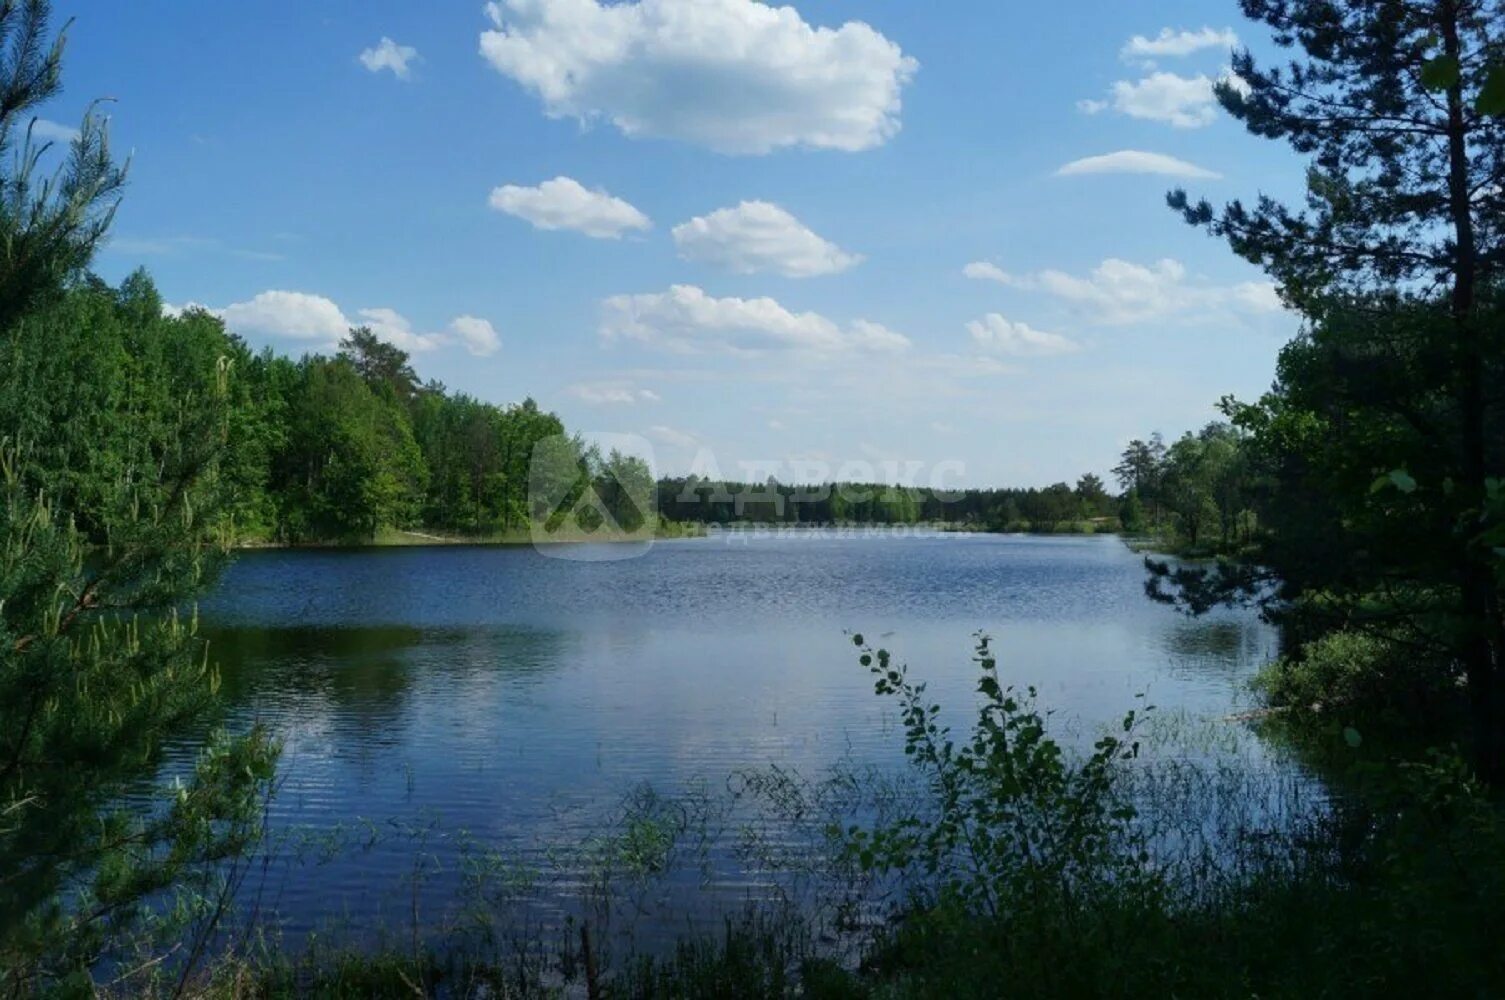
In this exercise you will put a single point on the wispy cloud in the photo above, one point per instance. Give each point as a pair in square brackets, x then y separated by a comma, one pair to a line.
[389, 56]
[686, 320]
[1171, 42]
[1121, 292]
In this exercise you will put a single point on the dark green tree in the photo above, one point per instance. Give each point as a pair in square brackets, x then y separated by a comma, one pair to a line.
[381, 364]
[1396, 262]
[115, 499]
[49, 225]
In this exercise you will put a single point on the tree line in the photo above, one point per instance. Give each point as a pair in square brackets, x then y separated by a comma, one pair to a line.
[1059, 507]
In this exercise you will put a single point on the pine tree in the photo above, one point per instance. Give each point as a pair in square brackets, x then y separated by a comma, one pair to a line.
[99, 659]
[1403, 232]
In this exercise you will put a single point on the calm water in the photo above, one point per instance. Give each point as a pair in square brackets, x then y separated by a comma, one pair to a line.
[493, 695]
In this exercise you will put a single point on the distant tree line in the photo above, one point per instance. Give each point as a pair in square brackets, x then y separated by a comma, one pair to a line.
[1061, 507]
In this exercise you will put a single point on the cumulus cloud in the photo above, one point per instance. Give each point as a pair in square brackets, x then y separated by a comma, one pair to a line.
[1182, 101]
[388, 55]
[611, 393]
[564, 203]
[688, 321]
[737, 76]
[284, 315]
[1121, 292]
[478, 335]
[759, 236]
[1185, 102]
[393, 327]
[1171, 42]
[1134, 161]
[294, 315]
[996, 334]
[981, 270]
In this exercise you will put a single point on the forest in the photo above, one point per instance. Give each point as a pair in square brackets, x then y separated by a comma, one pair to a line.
[352, 447]
[1358, 505]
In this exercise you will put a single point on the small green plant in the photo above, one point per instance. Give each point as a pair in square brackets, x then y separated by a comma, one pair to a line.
[1014, 822]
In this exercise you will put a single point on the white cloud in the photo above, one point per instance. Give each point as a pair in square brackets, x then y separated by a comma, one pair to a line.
[611, 393]
[759, 236]
[981, 270]
[996, 334]
[868, 336]
[737, 76]
[388, 55]
[1120, 292]
[672, 437]
[1185, 102]
[478, 335]
[43, 130]
[1134, 161]
[1171, 42]
[688, 321]
[301, 316]
[564, 203]
[295, 315]
[1089, 106]
[1257, 296]
[393, 327]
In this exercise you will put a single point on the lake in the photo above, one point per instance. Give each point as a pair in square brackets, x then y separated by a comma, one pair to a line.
[432, 700]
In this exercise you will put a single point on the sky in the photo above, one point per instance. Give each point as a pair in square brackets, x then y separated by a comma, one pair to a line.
[840, 239]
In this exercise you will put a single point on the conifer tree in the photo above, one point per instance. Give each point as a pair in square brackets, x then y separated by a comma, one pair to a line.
[100, 663]
[1396, 261]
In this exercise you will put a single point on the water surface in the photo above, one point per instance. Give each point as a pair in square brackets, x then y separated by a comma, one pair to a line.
[503, 697]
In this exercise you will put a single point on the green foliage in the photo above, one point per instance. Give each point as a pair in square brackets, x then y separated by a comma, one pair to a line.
[1379, 440]
[49, 226]
[1197, 496]
[1344, 672]
[115, 494]
[109, 518]
[1015, 825]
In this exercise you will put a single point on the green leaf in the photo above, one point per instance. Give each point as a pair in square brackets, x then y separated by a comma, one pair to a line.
[1440, 73]
[1491, 99]
[1402, 480]
[1351, 736]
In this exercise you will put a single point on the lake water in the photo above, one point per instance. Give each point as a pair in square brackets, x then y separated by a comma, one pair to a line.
[432, 698]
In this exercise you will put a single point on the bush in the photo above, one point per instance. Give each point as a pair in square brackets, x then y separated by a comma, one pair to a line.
[1353, 669]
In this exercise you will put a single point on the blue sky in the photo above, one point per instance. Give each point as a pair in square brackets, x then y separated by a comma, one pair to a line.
[760, 248]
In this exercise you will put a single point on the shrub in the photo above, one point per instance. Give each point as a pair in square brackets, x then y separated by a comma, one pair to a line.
[1348, 669]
